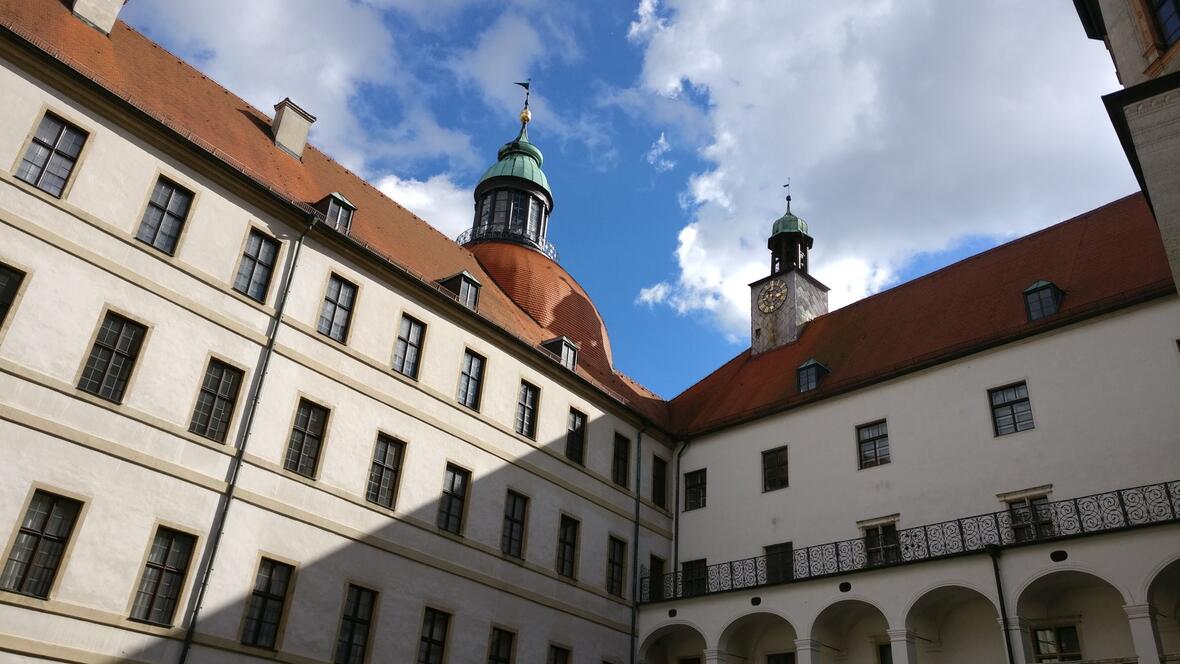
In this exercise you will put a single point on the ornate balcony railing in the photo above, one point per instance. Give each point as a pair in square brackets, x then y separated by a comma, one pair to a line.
[481, 233]
[1098, 513]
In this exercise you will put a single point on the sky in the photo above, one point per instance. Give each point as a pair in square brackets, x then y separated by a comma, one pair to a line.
[914, 132]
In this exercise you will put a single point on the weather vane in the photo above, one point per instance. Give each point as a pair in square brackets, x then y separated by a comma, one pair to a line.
[787, 186]
[525, 113]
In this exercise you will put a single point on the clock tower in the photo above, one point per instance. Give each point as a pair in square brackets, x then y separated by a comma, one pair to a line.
[782, 303]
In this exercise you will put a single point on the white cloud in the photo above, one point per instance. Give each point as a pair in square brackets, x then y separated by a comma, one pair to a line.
[655, 294]
[902, 125]
[655, 155]
[438, 200]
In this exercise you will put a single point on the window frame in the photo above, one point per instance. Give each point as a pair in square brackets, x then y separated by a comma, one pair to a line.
[1031, 518]
[351, 622]
[525, 421]
[494, 656]
[448, 497]
[784, 481]
[31, 137]
[67, 539]
[1037, 290]
[702, 487]
[876, 442]
[429, 641]
[994, 408]
[384, 469]
[323, 438]
[465, 380]
[558, 654]
[264, 237]
[11, 293]
[175, 187]
[232, 412]
[566, 551]
[511, 523]
[411, 322]
[784, 553]
[620, 464]
[132, 372]
[284, 606]
[659, 485]
[616, 568]
[182, 585]
[694, 577]
[344, 212]
[350, 309]
[887, 547]
[1162, 45]
[579, 434]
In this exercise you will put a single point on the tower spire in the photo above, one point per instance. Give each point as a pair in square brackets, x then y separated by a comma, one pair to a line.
[787, 186]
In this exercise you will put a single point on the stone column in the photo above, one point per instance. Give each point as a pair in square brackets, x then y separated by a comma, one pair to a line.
[901, 642]
[714, 656]
[1147, 646]
[1021, 647]
[806, 651]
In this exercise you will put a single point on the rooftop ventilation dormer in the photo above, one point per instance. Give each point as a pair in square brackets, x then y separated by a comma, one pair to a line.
[464, 287]
[809, 375]
[101, 14]
[1042, 299]
[337, 211]
[564, 349]
[290, 127]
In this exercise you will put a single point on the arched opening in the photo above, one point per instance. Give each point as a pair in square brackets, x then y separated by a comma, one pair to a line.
[1164, 597]
[759, 637]
[673, 644]
[1073, 615]
[852, 631]
[954, 624]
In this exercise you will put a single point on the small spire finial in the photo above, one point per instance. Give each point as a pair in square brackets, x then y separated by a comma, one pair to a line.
[787, 186]
[525, 114]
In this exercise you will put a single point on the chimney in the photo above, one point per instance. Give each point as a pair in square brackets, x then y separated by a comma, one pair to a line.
[101, 14]
[290, 127]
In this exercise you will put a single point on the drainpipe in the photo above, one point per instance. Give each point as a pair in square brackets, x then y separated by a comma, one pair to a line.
[635, 539]
[246, 428]
[676, 512]
[994, 552]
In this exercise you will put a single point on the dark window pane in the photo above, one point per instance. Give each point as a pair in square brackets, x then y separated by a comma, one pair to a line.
[40, 541]
[616, 566]
[165, 215]
[216, 401]
[694, 573]
[620, 460]
[1167, 19]
[1011, 409]
[526, 410]
[307, 435]
[355, 624]
[881, 545]
[500, 647]
[779, 563]
[512, 536]
[567, 546]
[112, 358]
[659, 481]
[10, 281]
[575, 437]
[694, 490]
[434, 637]
[408, 350]
[774, 469]
[336, 311]
[163, 577]
[384, 473]
[873, 443]
[454, 497]
[558, 655]
[257, 266]
[264, 609]
[51, 155]
[470, 380]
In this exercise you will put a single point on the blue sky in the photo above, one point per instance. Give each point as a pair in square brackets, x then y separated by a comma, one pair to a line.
[914, 133]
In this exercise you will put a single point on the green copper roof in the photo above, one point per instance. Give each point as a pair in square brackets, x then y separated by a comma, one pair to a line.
[788, 223]
[521, 159]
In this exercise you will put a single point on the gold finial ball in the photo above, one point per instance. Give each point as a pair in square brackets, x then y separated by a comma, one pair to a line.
[526, 115]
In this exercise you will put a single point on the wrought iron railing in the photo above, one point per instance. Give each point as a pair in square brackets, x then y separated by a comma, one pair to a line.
[481, 233]
[1098, 513]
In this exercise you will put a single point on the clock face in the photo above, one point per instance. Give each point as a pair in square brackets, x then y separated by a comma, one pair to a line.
[772, 296]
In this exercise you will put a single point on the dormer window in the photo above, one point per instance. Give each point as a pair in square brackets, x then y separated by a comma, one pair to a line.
[1042, 299]
[809, 375]
[565, 349]
[464, 287]
[337, 211]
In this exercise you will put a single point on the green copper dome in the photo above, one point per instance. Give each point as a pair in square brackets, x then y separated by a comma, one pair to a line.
[520, 159]
[788, 223]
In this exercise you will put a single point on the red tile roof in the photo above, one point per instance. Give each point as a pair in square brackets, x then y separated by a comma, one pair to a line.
[1103, 259]
[141, 72]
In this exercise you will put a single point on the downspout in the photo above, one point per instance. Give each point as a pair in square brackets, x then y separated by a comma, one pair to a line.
[676, 513]
[245, 430]
[635, 540]
[994, 552]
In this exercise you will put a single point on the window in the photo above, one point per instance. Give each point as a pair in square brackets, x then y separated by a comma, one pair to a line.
[567, 546]
[884, 653]
[164, 217]
[1042, 299]
[694, 574]
[471, 380]
[694, 490]
[1057, 644]
[337, 309]
[257, 265]
[10, 281]
[872, 441]
[454, 496]
[526, 410]
[512, 537]
[774, 469]
[781, 658]
[112, 358]
[656, 580]
[659, 482]
[1011, 410]
[780, 562]
[620, 460]
[575, 437]
[565, 350]
[264, 611]
[809, 375]
[1032, 518]
[881, 546]
[616, 565]
[339, 214]
[500, 646]
[307, 436]
[354, 625]
[384, 473]
[558, 655]
[1167, 20]
[163, 577]
[40, 542]
[464, 287]
[408, 352]
[52, 154]
[216, 401]
[434, 637]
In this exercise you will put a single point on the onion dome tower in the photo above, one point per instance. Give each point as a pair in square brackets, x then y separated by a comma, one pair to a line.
[508, 238]
[789, 243]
